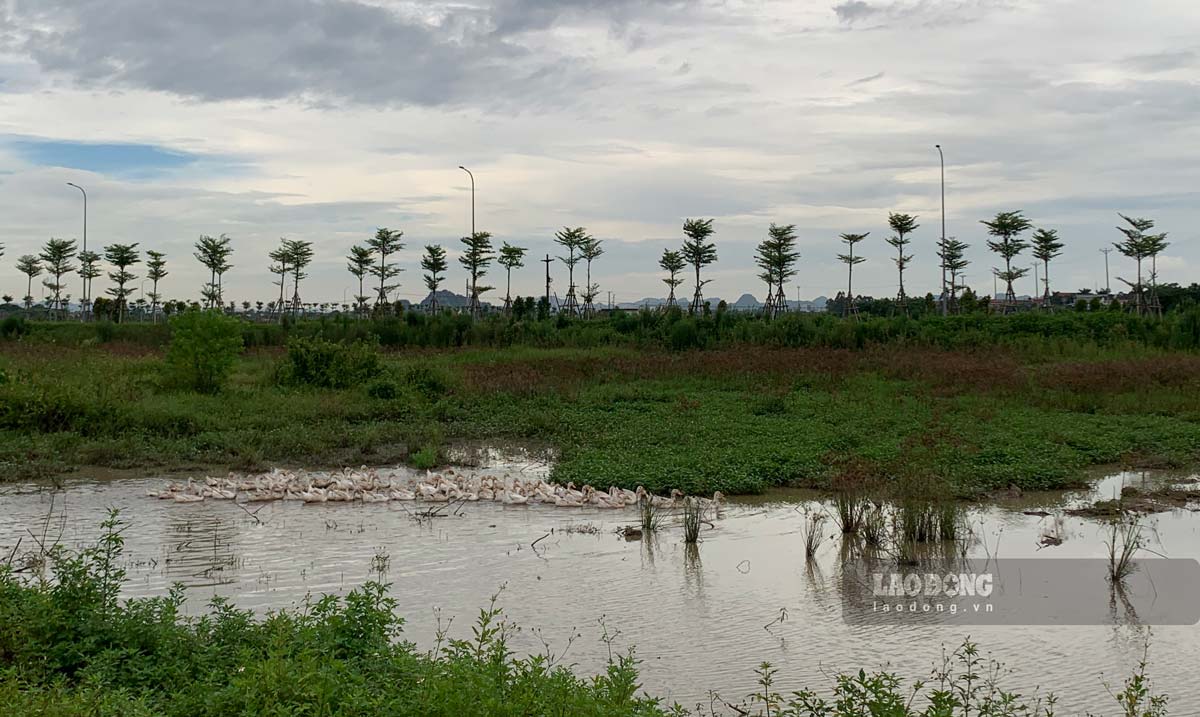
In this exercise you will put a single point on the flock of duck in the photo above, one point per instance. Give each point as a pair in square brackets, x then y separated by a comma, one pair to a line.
[370, 485]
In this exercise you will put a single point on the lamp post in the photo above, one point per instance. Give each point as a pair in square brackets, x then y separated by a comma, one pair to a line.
[83, 301]
[472, 176]
[472, 306]
[942, 161]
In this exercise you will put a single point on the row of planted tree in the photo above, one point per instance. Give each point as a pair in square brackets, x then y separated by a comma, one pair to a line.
[777, 257]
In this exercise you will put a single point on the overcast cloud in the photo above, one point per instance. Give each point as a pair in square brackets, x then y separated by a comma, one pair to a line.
[323, 119]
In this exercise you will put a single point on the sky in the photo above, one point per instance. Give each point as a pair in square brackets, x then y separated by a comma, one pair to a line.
[322, 120]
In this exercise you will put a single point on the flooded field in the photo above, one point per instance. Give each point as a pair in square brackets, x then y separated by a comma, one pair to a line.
[701, 618]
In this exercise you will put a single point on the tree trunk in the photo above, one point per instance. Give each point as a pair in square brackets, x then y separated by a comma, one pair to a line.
[850, 283]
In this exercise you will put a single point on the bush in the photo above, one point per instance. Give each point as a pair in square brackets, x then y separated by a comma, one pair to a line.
[684, 335]
[313, 361]
[203, 348]
[105, 331]
[383, 389]
[14, 327]
[427, 381]
[426, 458]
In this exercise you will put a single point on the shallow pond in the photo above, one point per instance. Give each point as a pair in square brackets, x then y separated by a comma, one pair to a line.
[700, 619]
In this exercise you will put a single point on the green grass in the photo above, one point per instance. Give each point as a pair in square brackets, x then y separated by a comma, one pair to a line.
[737, 420]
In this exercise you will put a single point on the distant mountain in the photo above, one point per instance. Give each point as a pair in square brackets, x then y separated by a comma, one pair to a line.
[446, 299]
[747, 302]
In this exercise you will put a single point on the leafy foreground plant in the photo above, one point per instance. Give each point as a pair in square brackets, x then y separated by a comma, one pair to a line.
[70, 646]
[966, 684]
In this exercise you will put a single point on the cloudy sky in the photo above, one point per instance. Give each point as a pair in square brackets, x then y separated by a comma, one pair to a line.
[324, 119]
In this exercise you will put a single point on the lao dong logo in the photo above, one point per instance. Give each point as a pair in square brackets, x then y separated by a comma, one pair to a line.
[931, 592]
[933, 585]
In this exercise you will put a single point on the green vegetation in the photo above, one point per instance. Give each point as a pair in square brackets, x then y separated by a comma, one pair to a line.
[204, 347]
[70, 646]
[1049, 396]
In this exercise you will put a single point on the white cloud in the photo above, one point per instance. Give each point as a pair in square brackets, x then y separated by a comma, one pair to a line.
[332, 118]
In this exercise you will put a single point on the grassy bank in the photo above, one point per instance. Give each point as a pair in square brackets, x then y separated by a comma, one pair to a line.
[671, 330]
[738, 419]
[70, 646]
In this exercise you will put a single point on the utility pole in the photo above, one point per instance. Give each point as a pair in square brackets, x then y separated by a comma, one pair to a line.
[1107, 288]
[1035, 282]
[547, 262]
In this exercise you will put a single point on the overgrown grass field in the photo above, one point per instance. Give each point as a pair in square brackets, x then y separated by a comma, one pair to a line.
[1035, 411]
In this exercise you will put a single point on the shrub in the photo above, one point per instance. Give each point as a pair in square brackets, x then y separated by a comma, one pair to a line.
[203, 348]
[105, 331]
[684, 335]
[14, 327]
[426, 458]
[383, 389]
[428, 381]
[313, 361]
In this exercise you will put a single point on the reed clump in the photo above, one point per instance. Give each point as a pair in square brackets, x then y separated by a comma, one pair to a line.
[649, 515]
[1125, 539]
[814, 535]
[693, 516]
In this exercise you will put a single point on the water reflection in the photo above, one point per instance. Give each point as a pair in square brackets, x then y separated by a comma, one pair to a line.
[202, 550]
[746, 593]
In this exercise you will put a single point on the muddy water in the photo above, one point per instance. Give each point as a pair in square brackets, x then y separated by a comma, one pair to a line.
[699, 619]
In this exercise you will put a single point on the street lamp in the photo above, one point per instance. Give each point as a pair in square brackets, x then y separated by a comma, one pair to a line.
[942, 161]
[472, 176]
[84, 292]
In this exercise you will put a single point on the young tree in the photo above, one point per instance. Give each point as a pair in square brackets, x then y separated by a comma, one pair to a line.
[1046, 246]
[385, 243]
[214, 254]
[673, 263]
[31, 267]
[573, 240]
[89, 269]
[698, 252]
[1155, 244]
[475, 260]
[902, 225]
[121, 256]
[850, 260]
[156, 271]
[56, 257]
[434, 264]
[590, 250]
[953, 255]
[281, 264]
[299, 254]
[1007, 227]
[1139, 246]
[512, 257]
[360, 261]
[776, 256]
